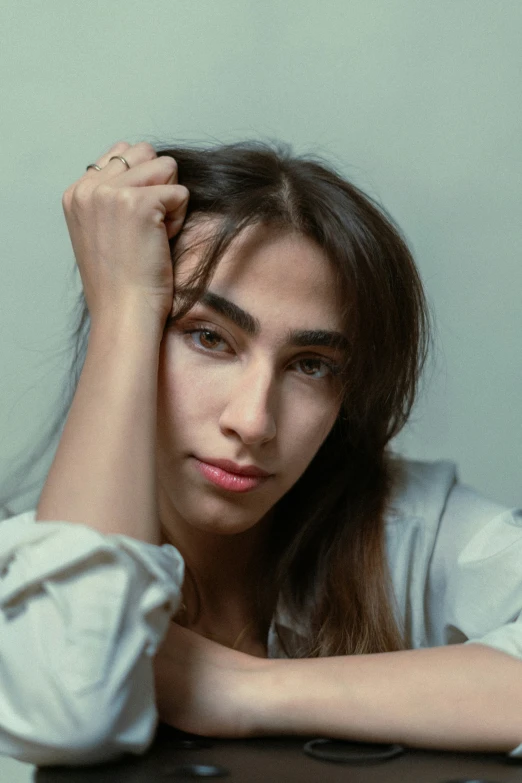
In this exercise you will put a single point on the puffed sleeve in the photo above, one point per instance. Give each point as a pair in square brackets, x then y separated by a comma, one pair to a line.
[81, 617]
[475, 576]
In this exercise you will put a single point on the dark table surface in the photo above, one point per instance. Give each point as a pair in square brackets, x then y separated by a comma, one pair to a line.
[282, 759]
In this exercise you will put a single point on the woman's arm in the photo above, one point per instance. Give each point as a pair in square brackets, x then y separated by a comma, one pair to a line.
[464, 697]
[120, 221]
[103, 474]
[82, 613]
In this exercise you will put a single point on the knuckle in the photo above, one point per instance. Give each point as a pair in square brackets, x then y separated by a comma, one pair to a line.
[124, 197]
[146, 149]
[170, 163]
[103, 192]
[81, 194]
[184, 193]
[67, 198]
[119, 146]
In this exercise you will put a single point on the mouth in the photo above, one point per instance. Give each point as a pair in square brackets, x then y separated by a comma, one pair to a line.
[231, 476]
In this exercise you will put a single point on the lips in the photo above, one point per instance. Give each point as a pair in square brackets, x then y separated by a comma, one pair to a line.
[233, 467]
[230, 476]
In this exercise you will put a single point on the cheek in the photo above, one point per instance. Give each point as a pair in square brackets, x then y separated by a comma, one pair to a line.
[304, 427]
[187, 395]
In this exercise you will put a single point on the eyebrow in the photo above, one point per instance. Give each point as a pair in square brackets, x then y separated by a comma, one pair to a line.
[252, 326]
[236, 314]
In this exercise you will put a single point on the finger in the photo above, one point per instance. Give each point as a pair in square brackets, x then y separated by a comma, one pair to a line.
[111, 165]
[173, 198]
[174, 201]
[134, 155]
[175, 218]
[117, 149]
[158, 171]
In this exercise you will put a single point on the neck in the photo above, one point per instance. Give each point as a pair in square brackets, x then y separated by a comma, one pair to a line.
[222, 572]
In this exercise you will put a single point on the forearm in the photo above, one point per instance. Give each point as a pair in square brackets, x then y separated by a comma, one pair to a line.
[460, 697]
[103, 474]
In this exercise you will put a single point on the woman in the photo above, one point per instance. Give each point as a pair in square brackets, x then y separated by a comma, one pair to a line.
[223, 539]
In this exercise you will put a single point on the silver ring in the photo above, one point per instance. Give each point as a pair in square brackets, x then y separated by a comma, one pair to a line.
[119, 157]
[93, 166]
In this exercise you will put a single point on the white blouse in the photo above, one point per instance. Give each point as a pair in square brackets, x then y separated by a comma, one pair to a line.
[82, 614]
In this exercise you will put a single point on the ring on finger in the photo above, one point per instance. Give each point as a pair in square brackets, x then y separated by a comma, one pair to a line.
[120, 157]
[93, 166]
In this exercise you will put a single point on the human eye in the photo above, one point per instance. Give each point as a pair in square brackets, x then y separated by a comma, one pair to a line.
[203, 339]
[317, 369]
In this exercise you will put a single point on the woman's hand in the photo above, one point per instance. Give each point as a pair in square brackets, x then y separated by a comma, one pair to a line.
[120, 221]
[203, 687]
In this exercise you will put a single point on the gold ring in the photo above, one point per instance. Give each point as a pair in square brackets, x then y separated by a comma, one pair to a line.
[93, 166]
[119, 157]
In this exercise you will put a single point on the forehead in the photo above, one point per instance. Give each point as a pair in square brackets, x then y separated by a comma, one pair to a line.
[271, 274]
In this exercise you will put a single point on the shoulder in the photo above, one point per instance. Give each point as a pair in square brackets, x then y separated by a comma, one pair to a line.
[438, 520]
[449, 545]
[432, 494]
[420, 489]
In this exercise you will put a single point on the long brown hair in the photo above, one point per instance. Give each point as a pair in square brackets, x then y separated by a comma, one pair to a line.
[327, 553]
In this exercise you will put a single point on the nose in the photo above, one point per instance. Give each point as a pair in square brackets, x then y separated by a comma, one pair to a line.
[250, 409]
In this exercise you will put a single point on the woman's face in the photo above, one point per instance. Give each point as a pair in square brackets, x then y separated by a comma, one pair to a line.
[247, 379]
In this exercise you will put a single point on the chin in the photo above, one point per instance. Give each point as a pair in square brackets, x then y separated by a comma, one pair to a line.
[221, 516]
[223, 526]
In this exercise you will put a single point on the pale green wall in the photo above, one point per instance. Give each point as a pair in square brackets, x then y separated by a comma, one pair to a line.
[418, 101]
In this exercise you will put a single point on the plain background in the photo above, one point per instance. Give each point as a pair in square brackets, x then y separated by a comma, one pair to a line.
[417, 101]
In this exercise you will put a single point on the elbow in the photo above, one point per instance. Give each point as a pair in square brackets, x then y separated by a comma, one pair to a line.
[79, 747]
[95, 733]
[90, 745]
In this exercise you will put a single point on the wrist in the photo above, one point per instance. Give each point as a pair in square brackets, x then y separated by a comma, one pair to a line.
[127, 323]
[260, 702]
[289, 697]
